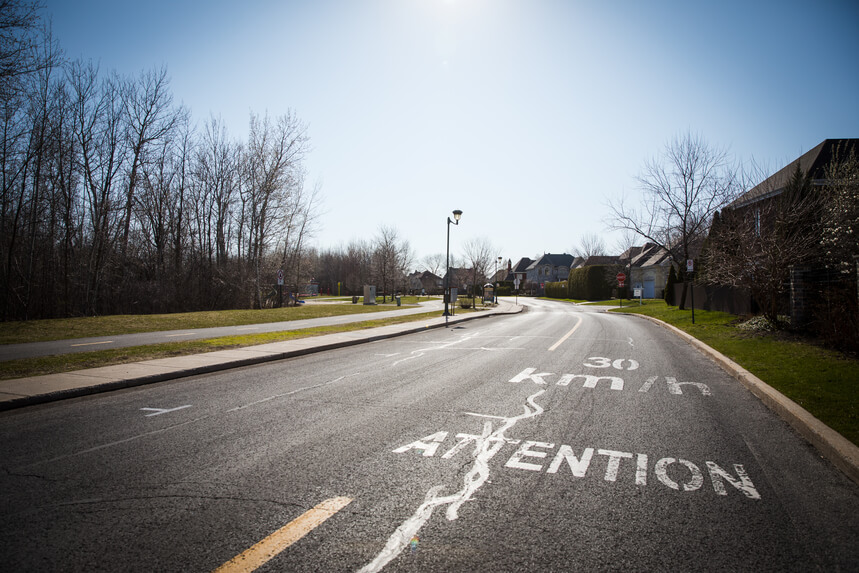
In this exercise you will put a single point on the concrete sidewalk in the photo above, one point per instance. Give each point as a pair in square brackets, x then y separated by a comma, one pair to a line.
[41, 389]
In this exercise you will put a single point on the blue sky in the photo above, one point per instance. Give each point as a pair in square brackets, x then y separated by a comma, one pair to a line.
[528, 115]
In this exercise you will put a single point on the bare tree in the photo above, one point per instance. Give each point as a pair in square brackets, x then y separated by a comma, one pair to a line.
[19, 41]
[753, 246]
[479, 254]
[682, 189]
[391, 257]
[98, 129]
[435, 264]
[297, 227]
[590, 245]
[149, 119]
[272, 168]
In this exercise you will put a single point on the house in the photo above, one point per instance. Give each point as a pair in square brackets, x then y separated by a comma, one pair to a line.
[503, 274]
[425, 282]
[782, 240]
[648, 268]
[814, 163]
[600, 260]
[460, 278]
[520, 271]
[549, 268]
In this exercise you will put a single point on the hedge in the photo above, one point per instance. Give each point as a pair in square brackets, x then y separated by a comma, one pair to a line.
[556, 290]
[594, 282]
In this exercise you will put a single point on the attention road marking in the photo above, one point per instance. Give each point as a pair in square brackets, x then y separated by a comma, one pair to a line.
[566, 336]
[91, 343]
[271, 546]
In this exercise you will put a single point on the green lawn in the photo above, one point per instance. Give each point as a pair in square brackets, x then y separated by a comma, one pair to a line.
[824, 382]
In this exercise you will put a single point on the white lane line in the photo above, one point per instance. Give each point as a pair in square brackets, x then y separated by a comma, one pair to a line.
[566, 336]
[91, 343]
[264, 551]
[180, 334]
[485, 446]
[248, 328]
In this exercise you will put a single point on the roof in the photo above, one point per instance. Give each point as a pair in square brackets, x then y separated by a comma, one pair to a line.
[650, 255]
[563, 260]
[522, 265]
[813, 162]
[599, 260]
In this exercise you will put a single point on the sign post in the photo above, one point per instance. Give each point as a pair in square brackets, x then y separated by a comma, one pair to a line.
[620, 278]
[280, 288]
[516, 286]
[690, 269]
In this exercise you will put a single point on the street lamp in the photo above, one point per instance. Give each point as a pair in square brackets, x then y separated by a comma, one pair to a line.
[456, 215]
[497, 282]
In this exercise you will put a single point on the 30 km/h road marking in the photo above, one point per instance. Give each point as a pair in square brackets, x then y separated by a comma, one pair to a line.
[269, 547]
[566, 336]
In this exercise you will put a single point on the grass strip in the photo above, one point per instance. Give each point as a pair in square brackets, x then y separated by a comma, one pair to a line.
[84, 327]
[79, 361]
[824, 382]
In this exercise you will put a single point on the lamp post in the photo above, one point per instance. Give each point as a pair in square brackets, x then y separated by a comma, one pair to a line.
[497, 282]
[456, 215]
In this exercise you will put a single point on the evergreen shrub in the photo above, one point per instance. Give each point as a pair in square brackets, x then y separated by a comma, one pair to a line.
[590, 283]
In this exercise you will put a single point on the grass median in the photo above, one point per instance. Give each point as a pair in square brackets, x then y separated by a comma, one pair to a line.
[79, 361]
[824, 382]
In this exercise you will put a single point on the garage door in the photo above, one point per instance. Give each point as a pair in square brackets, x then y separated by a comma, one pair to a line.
[649, 289]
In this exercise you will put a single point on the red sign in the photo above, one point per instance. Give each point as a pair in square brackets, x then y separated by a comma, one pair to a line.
[620, 277]
[620, 283]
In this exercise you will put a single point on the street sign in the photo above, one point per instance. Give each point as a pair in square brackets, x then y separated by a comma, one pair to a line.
[690, 266]
[280, 277]
[620, 277]
[636, 292]
[620, 283]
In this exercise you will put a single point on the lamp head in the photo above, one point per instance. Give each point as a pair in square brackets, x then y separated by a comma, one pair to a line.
[456, 215]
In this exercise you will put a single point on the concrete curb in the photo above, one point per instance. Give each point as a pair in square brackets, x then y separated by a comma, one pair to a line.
[833, 446]
[94, 381]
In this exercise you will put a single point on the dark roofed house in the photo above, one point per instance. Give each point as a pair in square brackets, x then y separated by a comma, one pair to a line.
[520, 271]
[425, 282]
[601, 260]
[813, 162]
[548, 269]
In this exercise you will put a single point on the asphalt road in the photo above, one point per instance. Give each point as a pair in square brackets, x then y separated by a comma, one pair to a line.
[560, 439]
[72, 346]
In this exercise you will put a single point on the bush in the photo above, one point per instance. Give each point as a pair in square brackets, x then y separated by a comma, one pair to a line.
[556, 290]
[669, 287]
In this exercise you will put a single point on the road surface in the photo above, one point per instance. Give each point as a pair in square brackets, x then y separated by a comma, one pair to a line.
[560, 439]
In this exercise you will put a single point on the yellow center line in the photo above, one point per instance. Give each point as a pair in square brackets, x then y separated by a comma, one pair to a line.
[91, 343]
[269, 547]
[566, 336]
